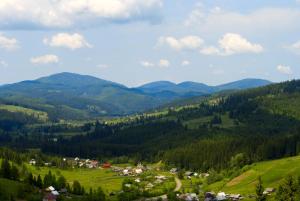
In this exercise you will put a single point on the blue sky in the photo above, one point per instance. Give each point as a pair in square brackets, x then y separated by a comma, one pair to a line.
[133, 41]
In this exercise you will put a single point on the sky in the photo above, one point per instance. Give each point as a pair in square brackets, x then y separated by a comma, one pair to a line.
[133, 42]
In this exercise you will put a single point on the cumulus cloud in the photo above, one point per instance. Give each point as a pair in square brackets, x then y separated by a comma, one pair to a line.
[8, 43]
[185, 63]
[71, 41]
[284, 69]
[187, 42]
[45, 59]
[147, 64]
[264, 19]
[210, 51]
[232, 43]
[69, 13]
[164, 63]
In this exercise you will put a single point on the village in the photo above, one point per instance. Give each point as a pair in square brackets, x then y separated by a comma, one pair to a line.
[147, 178]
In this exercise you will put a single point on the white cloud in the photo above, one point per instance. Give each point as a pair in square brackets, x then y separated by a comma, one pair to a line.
[147, 64]
[210, 51]
[295, 47]
[45, 59]
[187, 42]
[71, 41]
[69, 13]
[8, 43]
[185, 63]
[284, 69]
[232, 43]
[164, 63]
[265, 20]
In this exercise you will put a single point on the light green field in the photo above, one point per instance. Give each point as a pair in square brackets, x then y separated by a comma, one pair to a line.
[43, 116]
[89, 178]
[271, 172]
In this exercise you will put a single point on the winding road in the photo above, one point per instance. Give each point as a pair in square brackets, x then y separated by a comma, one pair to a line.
[178, 184]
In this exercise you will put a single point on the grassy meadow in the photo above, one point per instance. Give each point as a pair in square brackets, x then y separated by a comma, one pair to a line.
[271, 172]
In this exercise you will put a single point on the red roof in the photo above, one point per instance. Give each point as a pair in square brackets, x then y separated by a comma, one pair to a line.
[106, 165]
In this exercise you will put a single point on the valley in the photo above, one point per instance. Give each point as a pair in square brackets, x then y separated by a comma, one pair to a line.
[220, 142]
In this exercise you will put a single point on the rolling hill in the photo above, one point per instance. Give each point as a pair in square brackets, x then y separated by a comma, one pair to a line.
[186, 88]
[271, 172]
[73, 96]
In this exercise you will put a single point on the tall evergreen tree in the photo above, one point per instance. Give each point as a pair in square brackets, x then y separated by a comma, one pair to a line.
[259, 191]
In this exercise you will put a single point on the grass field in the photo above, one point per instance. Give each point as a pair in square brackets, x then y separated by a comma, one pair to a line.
[42, 116]
[271, 172]
[89, 178]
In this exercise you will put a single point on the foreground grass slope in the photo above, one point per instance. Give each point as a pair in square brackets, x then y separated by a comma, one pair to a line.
[271, 172]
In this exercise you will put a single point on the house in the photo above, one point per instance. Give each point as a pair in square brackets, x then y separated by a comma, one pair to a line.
[209, 196]
[92, 164]
[235, 197]
[161, 177]
[50, 188]
[189, 197]
[268, 191]
[138, 171]
[174, 170]
[49, 197]
[149, 186]
[56, 193]
[125, 172]
[188, 173]
[32, 162]
[106, 165]
[221, 196]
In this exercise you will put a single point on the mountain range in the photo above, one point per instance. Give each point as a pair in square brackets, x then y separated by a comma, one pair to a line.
[74, 96]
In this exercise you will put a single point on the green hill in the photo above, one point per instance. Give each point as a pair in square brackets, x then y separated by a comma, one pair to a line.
[72, 96]
[271, 172]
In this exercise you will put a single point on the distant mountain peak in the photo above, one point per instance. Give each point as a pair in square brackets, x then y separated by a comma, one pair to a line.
[73, 79]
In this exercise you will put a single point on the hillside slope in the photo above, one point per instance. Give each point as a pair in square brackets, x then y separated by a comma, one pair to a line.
[271, 172]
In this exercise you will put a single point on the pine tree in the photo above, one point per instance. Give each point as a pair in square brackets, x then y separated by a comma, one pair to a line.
[39, 182]
[259, 191]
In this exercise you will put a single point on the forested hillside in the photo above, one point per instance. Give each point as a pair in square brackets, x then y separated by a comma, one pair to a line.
[68, 96]
[260, 124]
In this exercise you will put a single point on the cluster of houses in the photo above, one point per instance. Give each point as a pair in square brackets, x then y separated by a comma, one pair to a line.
[77, 162]
[221, 196]
[129, 171]
[86, 163]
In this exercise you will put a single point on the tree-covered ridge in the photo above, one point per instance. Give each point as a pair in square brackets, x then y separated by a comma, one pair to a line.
[69, 96]
[201, 136]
